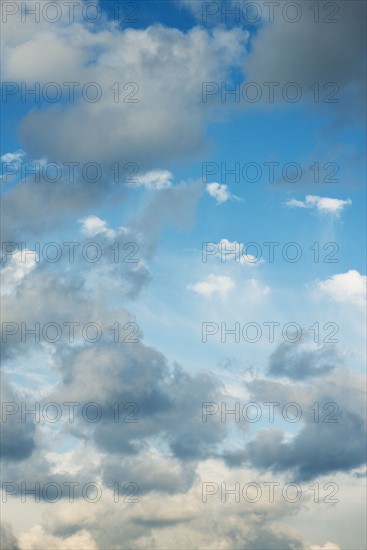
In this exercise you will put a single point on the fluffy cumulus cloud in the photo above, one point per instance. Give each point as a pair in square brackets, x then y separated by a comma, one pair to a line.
[329, 440]
[321, 204]
[345, 288]
[198, 518]
[158, 105]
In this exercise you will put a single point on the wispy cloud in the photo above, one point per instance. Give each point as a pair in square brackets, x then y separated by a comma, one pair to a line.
[321, 204]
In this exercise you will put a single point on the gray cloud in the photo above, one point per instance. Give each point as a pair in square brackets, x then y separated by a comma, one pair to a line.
[307, 52]
[17, 438]
[317, 450]
[40, 207]
[8, 540]
[334, 442]
[169, 400]
[300, 363]
[166, 121]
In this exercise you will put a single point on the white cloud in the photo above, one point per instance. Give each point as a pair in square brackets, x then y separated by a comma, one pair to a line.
[11, 164]
[321, 204]
[220, 192]
[18, 267]
[93, 225]
[220, 284]
[155, 179]
[13, 157]
[233, 250]
[38, 539]
[349, 287]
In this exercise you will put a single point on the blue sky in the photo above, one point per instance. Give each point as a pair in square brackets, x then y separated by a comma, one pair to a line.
[185, 201]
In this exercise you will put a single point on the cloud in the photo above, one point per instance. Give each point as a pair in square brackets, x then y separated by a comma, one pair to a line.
[179, 520]
[300, 361]
[17, 438]
[93, 225]
[326, 546]
[319, 449]
[345, 288]
[174, 205]
[8, 540]
[20, 203]
[233, 250]
[155, 179]
[158, 117]
[170, 450]
[322, 61]
[220, 284]
[321, 204]
[139, 374]
[38, 539]
[335, 442]
[13, 157]
[20, 265]
[220, 192]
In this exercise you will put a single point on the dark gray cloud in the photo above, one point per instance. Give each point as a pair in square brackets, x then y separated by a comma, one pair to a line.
[17, 438]
[307, 52]
[317, 450]
[333, 441]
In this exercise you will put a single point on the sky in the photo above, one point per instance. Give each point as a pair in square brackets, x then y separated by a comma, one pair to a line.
[183, 275]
